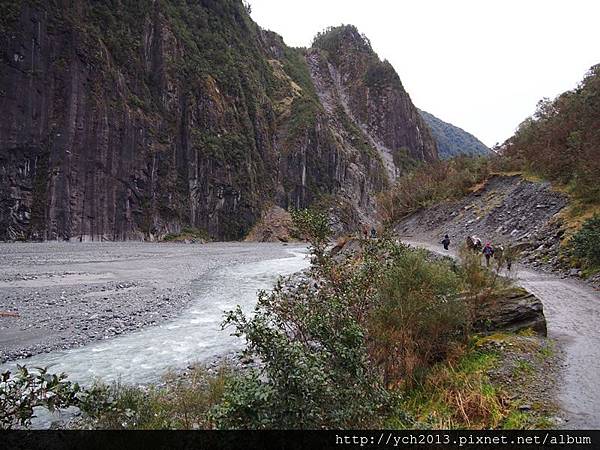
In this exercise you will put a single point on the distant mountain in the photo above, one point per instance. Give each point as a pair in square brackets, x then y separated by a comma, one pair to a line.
[452, 140]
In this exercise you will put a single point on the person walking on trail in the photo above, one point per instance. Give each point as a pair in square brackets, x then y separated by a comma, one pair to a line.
[509, 261]
[373, 233]
[446, 242]
[488, 252]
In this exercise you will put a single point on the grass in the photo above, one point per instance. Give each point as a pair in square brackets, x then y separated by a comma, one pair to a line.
[467, 393]
[576, 214]
[180, 402]
[454, 396]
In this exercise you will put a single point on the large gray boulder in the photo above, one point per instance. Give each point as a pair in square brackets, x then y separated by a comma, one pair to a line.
[514, 310]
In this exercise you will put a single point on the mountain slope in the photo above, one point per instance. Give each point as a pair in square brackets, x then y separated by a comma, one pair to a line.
[131, 121]
[561, 141]
[452, 140]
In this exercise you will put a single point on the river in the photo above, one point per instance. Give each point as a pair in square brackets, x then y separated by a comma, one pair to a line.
[194, 336]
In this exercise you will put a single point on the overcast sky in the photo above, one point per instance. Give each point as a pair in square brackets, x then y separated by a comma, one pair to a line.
[481, 65]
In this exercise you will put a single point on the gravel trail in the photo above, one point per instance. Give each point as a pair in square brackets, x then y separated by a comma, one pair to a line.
[572, 310]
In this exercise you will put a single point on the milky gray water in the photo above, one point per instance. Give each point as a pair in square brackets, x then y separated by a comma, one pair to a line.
[194, 336]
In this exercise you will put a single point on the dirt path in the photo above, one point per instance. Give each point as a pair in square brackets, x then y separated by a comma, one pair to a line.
[572, 311]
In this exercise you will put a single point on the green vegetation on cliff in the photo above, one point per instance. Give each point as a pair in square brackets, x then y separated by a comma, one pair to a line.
[452, 140]
[188, 115]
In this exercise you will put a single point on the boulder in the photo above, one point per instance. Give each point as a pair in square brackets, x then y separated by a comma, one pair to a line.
[275, 225]
[514, 310]
[345, 247]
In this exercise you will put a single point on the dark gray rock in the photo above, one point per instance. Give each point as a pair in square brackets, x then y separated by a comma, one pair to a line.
[515, 310]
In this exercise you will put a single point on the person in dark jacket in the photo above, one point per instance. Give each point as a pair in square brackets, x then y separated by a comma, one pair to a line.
[446, 242]
[488, 252]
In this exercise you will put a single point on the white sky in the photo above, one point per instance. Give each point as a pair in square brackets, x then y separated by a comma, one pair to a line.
[479, 64]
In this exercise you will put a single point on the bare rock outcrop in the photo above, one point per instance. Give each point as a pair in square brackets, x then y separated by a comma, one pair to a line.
[512, 311]
[274, 225]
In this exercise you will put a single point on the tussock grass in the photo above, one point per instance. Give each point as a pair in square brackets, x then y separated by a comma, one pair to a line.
[458, 395]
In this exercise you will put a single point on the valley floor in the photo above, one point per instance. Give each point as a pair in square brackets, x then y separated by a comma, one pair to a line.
[572, 310]
[57, 295]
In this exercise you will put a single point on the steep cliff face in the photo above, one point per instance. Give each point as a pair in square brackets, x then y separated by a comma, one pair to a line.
[130, 120]
[372, 94]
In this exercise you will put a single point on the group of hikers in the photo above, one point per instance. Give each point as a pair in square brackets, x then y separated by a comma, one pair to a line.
[488, 251]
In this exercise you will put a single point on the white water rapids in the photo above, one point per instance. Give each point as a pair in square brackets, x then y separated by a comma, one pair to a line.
[194, 336]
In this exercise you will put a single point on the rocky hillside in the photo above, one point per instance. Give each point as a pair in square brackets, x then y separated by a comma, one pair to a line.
[134, 120]
[506, 210]
[452, 140]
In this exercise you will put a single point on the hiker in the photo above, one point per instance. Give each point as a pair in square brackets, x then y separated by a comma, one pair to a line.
[373, 233]
[488, 252]
[365, 232]
[446, 242]
[509, 256]
[473, 243]
[499, 255]
[508, 261]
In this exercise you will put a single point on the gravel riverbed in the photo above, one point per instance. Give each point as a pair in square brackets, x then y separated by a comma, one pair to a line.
[66, 295]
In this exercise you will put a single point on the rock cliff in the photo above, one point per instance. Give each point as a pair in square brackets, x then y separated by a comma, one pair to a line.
[131, 120]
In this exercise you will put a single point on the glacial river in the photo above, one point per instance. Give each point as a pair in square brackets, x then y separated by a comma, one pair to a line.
[195, 336]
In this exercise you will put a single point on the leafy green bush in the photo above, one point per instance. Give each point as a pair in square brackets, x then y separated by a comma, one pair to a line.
[586, 242]
[316, 371]
[313, 226]
[24, 390]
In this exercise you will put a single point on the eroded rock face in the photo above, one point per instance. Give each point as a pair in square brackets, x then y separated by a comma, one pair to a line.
[133, 123]
[370, 92]
[506, 210]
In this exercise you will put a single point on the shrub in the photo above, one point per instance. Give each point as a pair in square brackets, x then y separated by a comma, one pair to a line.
[480, 283]
[585, 243]
[180, 402]
[25, 390]
[316, 372]
[313, 226]
[418, 318]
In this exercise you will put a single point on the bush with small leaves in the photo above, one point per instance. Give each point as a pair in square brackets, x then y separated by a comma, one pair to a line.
[585, 243]
[25, 390]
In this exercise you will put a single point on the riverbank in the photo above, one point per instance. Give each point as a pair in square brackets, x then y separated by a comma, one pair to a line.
[67, 295]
